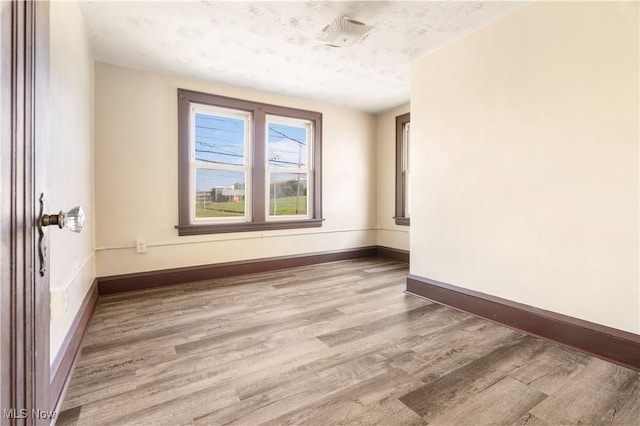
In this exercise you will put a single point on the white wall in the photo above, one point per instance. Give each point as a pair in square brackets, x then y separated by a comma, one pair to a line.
[70, 165]
[525, 148]
[136, 178]
[389, 234]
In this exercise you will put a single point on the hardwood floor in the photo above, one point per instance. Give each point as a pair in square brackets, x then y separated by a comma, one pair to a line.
[337, 343]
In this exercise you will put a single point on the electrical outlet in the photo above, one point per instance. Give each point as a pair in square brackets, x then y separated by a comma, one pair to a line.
[141, 246]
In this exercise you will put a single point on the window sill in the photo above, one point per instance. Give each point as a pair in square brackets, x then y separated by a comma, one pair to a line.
[404, 221]
[247, 227]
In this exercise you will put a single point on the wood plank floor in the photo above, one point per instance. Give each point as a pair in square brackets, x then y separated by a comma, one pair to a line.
[337, 343]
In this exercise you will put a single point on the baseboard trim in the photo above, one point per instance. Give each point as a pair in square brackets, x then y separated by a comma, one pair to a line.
[166, 277]
[608, 343]
[393, 254]
[65, 361]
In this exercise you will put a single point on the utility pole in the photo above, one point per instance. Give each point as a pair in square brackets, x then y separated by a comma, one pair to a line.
[298, 185]
[275, 198]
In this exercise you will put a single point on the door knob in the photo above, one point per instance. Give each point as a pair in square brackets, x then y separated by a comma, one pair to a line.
[73, 220]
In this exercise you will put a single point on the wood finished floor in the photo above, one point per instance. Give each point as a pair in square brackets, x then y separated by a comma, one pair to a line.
[338, 343]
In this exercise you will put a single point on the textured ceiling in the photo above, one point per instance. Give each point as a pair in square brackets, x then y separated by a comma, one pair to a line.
[270, 46]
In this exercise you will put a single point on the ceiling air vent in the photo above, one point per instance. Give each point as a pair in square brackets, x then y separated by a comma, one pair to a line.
[343, 32]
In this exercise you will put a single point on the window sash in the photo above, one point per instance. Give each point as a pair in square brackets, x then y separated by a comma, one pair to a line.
[406, 171]
[196, 164]
[221, 219]
[309, 196]
[307, 170]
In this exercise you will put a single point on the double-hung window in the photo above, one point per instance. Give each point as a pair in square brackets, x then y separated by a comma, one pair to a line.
[246, 166]
[288, 172]
[403, 171]
[220, 164]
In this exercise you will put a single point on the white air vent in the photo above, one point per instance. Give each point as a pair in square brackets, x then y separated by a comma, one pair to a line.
[343, 32]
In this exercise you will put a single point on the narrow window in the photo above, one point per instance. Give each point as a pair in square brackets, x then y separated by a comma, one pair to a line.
[403, 170]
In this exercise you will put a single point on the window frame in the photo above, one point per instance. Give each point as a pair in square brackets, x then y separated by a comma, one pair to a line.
[402, 156]
[259, 218]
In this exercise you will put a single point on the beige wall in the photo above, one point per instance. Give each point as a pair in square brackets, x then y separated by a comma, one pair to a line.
[389, 234]
[136, 178]
[525, 150]
[70, 165]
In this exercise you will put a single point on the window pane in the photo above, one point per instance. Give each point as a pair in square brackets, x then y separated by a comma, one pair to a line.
[406, 141]
[287, 194]
[219, 139]
[407, 170]
[219, 193]
[287, 145]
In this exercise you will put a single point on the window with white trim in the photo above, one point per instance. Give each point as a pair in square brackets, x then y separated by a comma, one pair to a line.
[220, 164]
[288, 172]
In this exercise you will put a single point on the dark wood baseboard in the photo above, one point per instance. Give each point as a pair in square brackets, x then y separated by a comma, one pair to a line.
[65, 360]
[603, 342]
[165, 277]
[393, 254]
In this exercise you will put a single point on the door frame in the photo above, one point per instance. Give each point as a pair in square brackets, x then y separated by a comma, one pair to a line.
[24, 292]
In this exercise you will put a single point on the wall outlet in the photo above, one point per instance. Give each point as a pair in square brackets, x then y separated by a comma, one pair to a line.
[141, 246]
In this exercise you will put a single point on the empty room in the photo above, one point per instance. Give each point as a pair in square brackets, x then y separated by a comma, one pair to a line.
[320, 212]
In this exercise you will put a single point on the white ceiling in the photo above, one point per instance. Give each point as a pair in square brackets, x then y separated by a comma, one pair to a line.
[269, 46]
